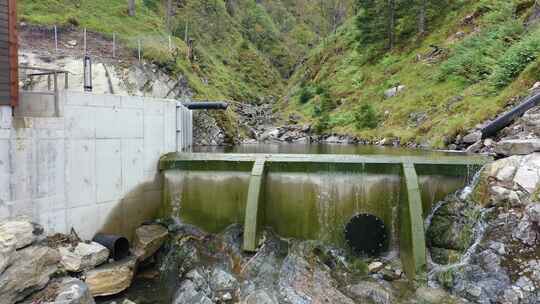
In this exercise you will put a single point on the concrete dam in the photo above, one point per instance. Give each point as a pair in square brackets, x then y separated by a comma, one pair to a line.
[314, 196]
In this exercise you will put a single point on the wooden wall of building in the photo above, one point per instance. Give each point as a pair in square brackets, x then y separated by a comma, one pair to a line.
[9, 83]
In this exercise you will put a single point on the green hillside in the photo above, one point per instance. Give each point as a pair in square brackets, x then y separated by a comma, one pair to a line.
[475, 59]
[243, 50]
[329, 60]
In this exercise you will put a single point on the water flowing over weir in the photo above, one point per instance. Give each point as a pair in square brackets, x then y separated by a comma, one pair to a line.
[314, 196]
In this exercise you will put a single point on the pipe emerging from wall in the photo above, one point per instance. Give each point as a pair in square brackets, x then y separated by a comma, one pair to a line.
[206, 105]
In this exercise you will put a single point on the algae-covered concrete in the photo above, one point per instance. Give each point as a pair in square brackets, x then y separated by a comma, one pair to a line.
[313, 196]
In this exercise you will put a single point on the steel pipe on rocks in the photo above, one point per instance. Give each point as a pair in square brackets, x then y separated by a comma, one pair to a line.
[505, 120]
[206, 105]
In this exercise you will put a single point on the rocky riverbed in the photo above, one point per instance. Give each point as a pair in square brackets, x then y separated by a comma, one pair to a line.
[484, 247]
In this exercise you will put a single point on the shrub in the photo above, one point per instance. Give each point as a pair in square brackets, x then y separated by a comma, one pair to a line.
[322, 123]
[365, 117]
[305, 95]
[516, 59]
[476, 57]
[327, 104]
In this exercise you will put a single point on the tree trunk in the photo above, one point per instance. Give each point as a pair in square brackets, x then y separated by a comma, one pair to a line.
[131, 7]
[422, 18]
[391, 23]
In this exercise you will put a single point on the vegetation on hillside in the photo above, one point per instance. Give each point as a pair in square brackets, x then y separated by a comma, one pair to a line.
[461, 62]
[471, 61]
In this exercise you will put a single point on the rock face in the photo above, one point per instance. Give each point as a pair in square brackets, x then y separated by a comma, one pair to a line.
[7, 249]
[372, 292]
[148, 239]
[206, 130]
[473, 137]
[25, 232]
[29, 272]
[451, 230]
[300, 282]
[111, 278]
[517, 146]
[503, 265]
[83, 256]
[74, 291]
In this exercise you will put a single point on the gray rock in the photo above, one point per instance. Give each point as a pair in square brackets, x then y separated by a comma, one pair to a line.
[222, 280]
[74, 291]
[7, 249]
[148, 240]
[517, 146]
[188, 294]
[302, 282]
[432, 295]
[260, 297]
[83, 256]
[29, 272]
[473, 137]
[474, 148]
[528, 173]
[393, 92]
[370, 291]
[111, 279]
[24, 231]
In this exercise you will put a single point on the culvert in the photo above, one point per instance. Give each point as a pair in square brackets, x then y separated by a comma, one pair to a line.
[366, 234]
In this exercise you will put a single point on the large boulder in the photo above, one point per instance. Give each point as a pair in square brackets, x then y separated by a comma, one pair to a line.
[25, 232]
[83, 256]
[188, 293]
[74, 291]
[371, 292]
[111, 279]
[302, 281]
[7, 249]
[148, 240]
[517, 146]
[29, 272]
[393, 92]
[528, 173]
[259, 297]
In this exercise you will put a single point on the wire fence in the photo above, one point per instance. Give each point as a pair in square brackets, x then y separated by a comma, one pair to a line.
[62, 41]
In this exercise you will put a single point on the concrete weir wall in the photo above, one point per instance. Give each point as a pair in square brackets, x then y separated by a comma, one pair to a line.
[94, 168]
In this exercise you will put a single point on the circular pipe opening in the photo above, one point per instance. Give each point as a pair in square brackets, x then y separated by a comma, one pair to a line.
[117, 245]
[366, 234]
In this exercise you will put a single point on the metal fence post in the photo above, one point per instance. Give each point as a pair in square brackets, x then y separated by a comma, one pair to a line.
[56, 98]
[56, 39]
[139, 48]
[66, 80]
[114, 45]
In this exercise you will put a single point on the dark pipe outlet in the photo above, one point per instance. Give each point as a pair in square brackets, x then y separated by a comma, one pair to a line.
[366, 235]
[505, 120]
[206, 105]
[117, 245]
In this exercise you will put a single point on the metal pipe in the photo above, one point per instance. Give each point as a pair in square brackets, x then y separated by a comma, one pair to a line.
[206, 105]
[117, 245]
[505, 120]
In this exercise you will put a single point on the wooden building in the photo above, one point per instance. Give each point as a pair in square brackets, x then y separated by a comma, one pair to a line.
[9, 74]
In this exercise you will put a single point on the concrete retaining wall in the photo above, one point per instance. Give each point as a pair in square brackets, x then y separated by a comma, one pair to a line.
[93, 168]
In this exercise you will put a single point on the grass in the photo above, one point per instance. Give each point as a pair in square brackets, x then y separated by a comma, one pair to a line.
[246, 52]
[455, 91]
